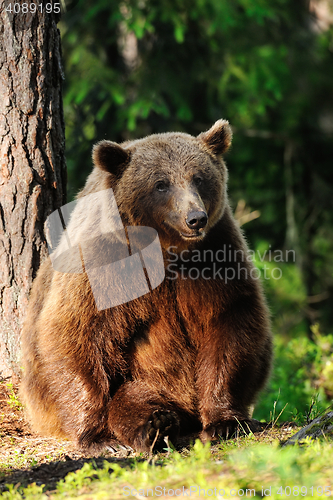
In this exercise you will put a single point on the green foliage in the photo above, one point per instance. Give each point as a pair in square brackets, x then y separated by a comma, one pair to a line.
[32, 492]
[302, 379]
[301, 383]
[307, 471]
[13, 400]
[285, 291]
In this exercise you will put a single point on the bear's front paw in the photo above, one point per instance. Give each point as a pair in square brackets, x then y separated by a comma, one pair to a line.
[228, 428]
[161, 423]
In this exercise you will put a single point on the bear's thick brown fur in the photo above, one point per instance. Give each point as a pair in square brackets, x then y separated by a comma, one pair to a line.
[190, 355]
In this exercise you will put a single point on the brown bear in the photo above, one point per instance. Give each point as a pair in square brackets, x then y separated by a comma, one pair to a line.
[192, 354]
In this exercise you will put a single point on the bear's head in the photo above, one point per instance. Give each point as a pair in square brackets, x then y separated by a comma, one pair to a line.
[172, 182]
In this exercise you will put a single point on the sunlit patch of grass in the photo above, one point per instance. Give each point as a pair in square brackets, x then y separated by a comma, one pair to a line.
[13, 399]
[29, 457]
[241, 467]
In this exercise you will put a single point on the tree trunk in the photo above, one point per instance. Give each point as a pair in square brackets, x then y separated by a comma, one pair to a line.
[33, 169]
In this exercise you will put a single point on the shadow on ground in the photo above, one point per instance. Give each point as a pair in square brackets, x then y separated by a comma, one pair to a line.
[49, 474]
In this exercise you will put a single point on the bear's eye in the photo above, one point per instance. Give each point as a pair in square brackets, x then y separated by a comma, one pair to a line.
[197, 180]
[162, 186]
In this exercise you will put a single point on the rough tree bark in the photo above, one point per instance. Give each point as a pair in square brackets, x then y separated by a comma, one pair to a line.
[320, 427]
[32, 162]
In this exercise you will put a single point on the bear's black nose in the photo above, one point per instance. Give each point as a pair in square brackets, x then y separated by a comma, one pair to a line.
[196, 220]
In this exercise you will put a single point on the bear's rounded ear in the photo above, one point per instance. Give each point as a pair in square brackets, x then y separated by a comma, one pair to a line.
[218, 138]
[109, 156]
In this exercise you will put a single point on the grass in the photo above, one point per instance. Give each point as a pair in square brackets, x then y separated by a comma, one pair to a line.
[29, 457]
[250, 466]
[242, 467]
[13, 399]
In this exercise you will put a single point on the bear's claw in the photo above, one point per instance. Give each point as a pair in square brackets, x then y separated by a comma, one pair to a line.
[161, 423]
[229, 428]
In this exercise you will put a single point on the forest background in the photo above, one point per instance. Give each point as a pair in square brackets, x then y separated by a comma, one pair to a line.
[138, 67]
